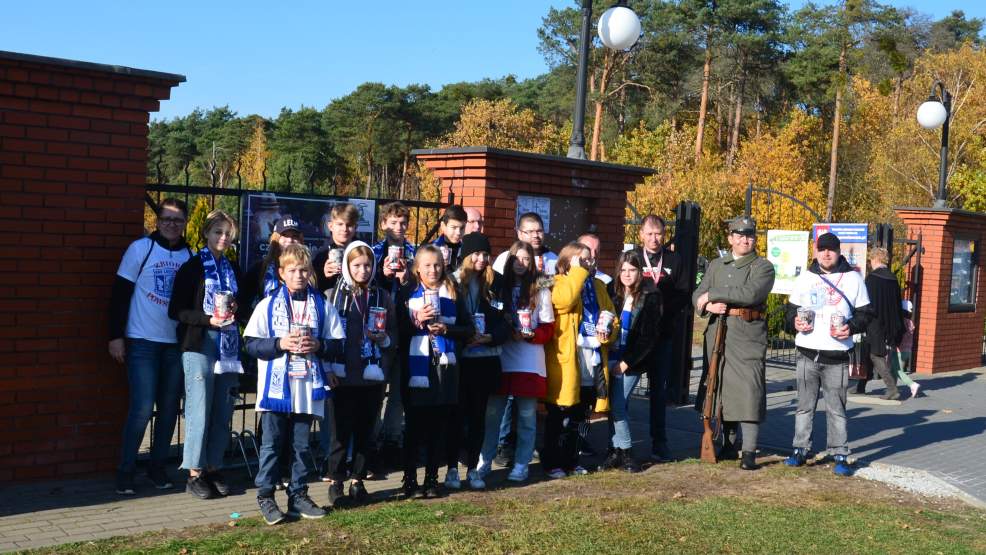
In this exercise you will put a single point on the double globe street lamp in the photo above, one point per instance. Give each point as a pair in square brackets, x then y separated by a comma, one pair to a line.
[619, 29]
[936, 112]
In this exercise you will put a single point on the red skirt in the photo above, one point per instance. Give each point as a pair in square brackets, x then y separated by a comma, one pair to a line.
[523, 384]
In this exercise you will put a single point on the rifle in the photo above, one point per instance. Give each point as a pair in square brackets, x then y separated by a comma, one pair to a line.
[709, 408]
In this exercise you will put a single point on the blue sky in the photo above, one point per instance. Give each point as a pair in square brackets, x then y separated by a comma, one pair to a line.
[256, 57]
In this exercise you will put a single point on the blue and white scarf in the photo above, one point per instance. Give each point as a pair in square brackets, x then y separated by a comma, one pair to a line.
[220, 277]
[277, 393]
[427, 349]
[343, 297]
[271, 281]
[587, 329]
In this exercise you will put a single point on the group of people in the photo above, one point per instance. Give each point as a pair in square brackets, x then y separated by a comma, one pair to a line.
[443, 352]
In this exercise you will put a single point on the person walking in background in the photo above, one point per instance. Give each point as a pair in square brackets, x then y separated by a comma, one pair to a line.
[343, 221]
[734, 290]
[902, 360]
[630, 356]
[261, 280]
[143, 337]
[827, 306]
[361, 368]
[527, 304]
[205, 305]
[434, 322]
[664, 270]
[289, 333]
[887, 326]
[575, 358]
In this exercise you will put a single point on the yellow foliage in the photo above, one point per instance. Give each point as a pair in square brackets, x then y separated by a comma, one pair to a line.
[253, 161]
[501, 124]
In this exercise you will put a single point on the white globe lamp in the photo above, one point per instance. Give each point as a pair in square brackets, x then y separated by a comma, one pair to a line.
[619, 28]
[932, 114]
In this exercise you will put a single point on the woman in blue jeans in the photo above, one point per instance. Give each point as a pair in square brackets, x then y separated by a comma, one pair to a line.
[210, 344]
[640, 311]
[143, 337]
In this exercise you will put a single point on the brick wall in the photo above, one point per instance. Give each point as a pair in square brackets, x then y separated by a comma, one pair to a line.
[490, 179]
[73, 150]
[947, 341]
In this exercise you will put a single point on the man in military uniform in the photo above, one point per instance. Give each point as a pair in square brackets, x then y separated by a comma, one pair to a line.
[735, 287]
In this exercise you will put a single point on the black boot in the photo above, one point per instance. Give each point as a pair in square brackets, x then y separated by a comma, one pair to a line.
[749, 461]
[614, 459]
[409, 488]
[728, 452]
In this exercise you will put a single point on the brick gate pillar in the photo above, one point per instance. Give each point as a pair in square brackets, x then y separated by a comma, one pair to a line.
[73, 164]
[950, 333]
[577, 194]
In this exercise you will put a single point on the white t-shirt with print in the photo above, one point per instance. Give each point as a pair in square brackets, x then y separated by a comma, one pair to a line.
[301, 389]
[810, 291]
[148, 314]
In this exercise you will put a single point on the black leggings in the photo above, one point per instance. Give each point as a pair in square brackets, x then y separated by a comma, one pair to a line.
[478, 379]
[425, 427]
[561, 432]
[355, 412]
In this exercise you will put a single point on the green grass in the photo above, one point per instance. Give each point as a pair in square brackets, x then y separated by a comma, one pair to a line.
[680, 508]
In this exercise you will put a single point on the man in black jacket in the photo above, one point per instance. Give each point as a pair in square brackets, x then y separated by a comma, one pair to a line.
[887, 327]
[663, 269]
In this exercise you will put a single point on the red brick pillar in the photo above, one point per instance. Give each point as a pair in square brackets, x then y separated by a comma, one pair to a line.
[949, 337]
[582, 193]
[73, 164]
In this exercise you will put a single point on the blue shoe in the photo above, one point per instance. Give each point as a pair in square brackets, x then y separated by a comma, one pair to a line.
[842, 467]
[798, 458]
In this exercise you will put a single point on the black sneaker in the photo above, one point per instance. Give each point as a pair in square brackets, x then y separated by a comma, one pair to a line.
[660, 453]
[749, 461]
[431, 488]
[302, 505]
[159, 477]
[614, 459]
[409, 487]
[337, 494]
[125, 483]
[504, 455]
[199, 487]
[269, 510]
[629, 463]
[728, 453]
[218, 482]
[358, 493]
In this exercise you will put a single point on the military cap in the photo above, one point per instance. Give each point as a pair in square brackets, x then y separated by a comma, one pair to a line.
[743, 224]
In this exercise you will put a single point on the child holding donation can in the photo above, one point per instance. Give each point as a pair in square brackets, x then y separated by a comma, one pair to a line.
[290, 333]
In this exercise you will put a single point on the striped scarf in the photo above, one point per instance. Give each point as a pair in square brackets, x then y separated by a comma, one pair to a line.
[427, 349]
[277, 393]
[219, 276]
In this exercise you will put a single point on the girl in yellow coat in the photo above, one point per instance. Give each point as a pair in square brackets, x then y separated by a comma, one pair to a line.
[575, 358]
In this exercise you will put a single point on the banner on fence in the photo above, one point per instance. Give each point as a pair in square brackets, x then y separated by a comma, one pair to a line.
[853, 238]
[261, 212]
[788, 252]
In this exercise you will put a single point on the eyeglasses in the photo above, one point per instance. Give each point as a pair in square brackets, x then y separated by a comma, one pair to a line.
[172, 221]
[532, 231]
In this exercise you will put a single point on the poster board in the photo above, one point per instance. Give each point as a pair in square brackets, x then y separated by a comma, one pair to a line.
[261, 211]
[788, 251]
[852, 238]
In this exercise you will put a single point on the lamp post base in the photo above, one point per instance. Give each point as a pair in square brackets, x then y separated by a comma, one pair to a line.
[577, 151]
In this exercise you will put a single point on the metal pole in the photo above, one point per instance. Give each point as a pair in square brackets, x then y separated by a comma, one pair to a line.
[576, 146]
[941, 200]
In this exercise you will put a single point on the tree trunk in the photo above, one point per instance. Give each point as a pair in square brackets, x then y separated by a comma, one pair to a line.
[704, 104]
[836, 120]
[597, 122]
[737, 120]
[758, 116]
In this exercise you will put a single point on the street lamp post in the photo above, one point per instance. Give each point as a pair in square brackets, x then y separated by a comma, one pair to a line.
[619, 29]
[937, 111]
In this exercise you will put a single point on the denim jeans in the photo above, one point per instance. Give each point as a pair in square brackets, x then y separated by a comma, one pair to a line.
[496, 408]
[657, 380]
[154, 374]
[506, 423]
[833, 379]
[209, 400]
[277, 426]
[621, 386]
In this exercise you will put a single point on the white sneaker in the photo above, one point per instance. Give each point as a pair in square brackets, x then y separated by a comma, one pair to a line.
[475, 480]
[914, 389]
[484, 467]
[518, 474]
[452, 479]
[556, 473]
[579, 471]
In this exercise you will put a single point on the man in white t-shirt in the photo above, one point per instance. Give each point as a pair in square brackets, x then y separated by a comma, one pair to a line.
[827, 306]
[530, 229]
[144, 338]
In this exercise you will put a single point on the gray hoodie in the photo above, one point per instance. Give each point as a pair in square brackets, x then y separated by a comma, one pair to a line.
[344, 299]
